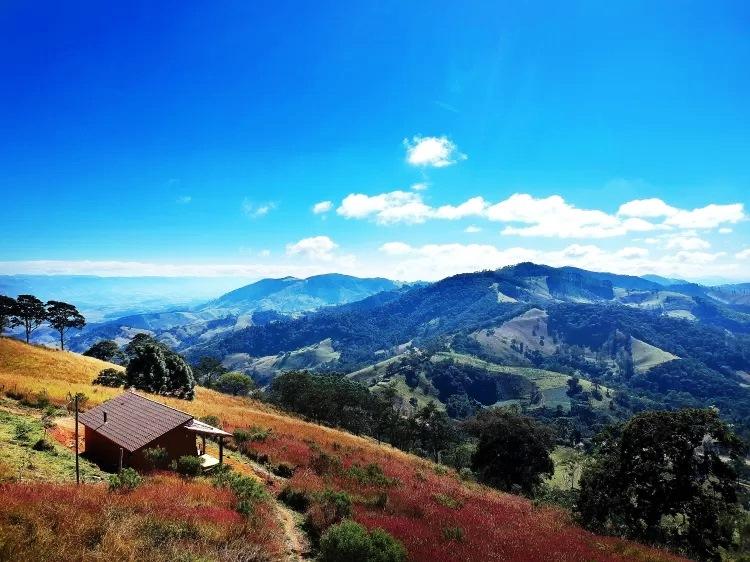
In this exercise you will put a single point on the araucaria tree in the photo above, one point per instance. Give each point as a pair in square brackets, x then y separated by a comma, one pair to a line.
[663, 478]
[153, 367]
[8, 318]
[63, 317]
[30, 313]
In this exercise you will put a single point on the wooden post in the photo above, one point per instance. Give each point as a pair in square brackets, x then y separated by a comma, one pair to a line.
[221, 449]
[119, 467]
[78, 474]
[203, 444]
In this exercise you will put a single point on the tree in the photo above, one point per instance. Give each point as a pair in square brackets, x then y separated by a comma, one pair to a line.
[513, 451]
[234, 383]
[63, 317]
[8, 318]
[661, 479]
[155, 368]
[30, 313]
[106, 350]
[207, 370]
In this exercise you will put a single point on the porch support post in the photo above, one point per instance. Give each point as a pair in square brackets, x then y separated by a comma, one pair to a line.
[203, 444]
[221, 449]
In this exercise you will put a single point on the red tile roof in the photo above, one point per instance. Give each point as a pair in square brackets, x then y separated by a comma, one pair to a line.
[133, 421]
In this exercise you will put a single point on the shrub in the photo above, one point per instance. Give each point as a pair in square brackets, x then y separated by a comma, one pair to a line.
[371, 474]
[111, 378]
[298, 500]
[453, 534]
[234, 383]
[128, 479]
[211, 420]
[324, 464]
[159, 532]
[350, 541]
[447, 501]
[284, 470]
[329, 507]
[22, 430]
[157, 457]
[43, 445]
[248, 491]
[188, 465]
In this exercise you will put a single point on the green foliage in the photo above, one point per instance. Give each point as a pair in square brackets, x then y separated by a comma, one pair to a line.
[110, 377]
[234, 383]
[43, 445]
[187, 465]
[660, 479]
[370, 475]
[127, 480]
[157, 457]
[248, 491]
[299, 500]
[106, 350]
[207, 370]
[8, 319]
[30, 313]
[447, 501]
[154, 368]
[63, 317]
[453, 534]
[22, 430]
[513, 451]
[349, 541]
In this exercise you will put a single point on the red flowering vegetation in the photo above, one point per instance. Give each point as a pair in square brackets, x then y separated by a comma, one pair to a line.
[166, 518]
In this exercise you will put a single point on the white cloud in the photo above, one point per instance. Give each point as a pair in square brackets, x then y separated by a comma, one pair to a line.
[316, 248]
[687, 243]
[257, 210]
[471, 229]
[646, 208]
[725, 230]
[396, 206]
[743, 255]
[549, 217]
[437, 152]
[421, 186]
[709, 216]
[322, 207]
[395, 248]
[184, 199]
[472, 207]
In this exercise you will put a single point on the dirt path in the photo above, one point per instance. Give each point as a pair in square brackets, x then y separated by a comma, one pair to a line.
[295, 540]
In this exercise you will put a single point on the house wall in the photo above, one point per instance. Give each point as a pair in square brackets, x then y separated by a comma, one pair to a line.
[106, 453]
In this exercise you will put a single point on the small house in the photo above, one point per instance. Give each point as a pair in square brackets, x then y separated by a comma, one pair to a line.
[118, 431]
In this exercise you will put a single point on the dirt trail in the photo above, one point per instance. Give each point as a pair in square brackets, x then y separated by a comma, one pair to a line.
[297, 543]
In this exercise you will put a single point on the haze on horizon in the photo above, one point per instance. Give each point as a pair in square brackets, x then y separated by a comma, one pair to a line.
[404, 141]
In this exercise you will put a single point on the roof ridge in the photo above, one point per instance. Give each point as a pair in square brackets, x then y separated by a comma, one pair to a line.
[132, 391]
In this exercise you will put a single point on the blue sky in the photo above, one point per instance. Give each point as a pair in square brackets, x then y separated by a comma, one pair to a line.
[168, 138]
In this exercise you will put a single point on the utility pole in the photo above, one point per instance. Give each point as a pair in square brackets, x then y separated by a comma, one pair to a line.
[78, 474]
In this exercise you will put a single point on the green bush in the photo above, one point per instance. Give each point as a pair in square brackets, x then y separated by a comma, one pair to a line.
[112, 378]
[128, 479]
[298, 500]
[43, 445]
[157, 457]
[248, 491]
[328, 508]
[22, 430]
[188, 465]
[284, 470]
[349, 541]
[453, 534]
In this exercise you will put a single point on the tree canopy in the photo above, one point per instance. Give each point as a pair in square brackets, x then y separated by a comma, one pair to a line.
[660, 478]
[513, 451]
[30, 313]
[155, 368]
[63, 317]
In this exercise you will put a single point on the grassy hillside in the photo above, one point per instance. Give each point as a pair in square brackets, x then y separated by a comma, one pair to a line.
[410, 502]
